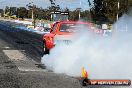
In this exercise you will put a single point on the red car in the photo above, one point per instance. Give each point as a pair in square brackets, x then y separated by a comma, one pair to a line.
[61, 31]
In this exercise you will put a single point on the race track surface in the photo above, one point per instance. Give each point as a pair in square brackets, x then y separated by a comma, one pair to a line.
[20, 67]
[20, 62]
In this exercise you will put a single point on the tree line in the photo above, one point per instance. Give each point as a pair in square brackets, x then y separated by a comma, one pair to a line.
[40, 13]
[101, 11]
[107, 10]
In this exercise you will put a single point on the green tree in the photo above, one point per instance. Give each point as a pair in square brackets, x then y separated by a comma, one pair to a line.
[108, 9]
[7, 10]
[22, 12]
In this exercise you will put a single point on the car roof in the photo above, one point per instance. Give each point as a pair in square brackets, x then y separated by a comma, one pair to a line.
[78, 22]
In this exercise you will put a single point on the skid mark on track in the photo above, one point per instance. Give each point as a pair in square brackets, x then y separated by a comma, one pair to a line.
[6, 47]
[22, 62]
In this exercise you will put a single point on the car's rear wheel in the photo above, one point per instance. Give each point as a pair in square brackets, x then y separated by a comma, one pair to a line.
[45, 50]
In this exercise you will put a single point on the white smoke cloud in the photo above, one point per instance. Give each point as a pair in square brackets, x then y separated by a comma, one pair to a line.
[103, 58]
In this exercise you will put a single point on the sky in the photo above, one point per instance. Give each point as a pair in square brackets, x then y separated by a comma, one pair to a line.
[72, 4]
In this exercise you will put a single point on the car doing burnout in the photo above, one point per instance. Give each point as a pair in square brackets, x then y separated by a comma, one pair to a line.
[62, 31]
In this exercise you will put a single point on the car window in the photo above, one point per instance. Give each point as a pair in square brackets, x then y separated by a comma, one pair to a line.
[71, 27]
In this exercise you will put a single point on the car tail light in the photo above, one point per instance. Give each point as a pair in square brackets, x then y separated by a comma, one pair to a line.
[51, 38]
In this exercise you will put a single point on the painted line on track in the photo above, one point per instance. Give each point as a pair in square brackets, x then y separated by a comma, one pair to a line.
[22, 62]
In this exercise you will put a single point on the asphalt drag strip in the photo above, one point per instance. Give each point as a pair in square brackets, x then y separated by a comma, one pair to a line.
[19, 70]
[20, 65]
[21, 61]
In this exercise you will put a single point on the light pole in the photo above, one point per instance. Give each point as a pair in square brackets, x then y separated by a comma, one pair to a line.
[33, 13]
[79, 14]
[118, 7]
[4, 12]
[32, 7]
[117, 17]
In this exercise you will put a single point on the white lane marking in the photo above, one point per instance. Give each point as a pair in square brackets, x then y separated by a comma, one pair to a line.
[31, 69]
[21, 61]
[14, 55]
[6, 47]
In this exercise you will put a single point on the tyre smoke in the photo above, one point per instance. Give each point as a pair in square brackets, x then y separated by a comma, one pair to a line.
[102, 57]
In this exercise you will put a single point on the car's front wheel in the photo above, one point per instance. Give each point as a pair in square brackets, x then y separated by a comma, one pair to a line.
[45, 50]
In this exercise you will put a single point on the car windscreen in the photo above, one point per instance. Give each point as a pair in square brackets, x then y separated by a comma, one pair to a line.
[72, 27]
